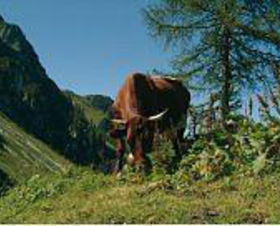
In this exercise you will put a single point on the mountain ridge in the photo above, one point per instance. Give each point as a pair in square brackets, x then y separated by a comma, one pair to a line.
[34, 102]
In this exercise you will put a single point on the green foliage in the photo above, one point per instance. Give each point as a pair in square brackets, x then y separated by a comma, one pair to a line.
[163, 156]
[249, 148]
[207, 163]
[243, 148]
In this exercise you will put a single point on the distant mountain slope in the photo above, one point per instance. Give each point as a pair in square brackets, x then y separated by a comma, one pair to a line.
[92, 114]
[22, 155]
[31, 99]
[95, 107]
[101, 102]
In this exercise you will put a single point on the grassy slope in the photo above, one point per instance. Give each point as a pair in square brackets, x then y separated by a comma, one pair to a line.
[81, 196]
[92, 114]
[21, 155]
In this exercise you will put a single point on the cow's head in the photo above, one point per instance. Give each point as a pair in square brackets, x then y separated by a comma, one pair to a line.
[139, 131]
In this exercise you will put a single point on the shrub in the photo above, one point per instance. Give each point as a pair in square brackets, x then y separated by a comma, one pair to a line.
[249, 148]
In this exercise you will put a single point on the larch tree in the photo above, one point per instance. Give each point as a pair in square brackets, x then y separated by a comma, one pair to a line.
[223, 46]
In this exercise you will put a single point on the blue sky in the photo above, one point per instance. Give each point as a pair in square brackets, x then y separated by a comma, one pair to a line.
[88, 46]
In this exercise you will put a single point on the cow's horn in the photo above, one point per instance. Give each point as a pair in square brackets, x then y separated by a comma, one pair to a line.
[118, 121]
[158, 116]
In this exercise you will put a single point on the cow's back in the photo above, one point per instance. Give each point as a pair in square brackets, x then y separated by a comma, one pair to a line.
[172, 95]
[148, 96]
[134, 97]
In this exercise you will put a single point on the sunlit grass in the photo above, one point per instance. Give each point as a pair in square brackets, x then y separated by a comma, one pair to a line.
[82, 196]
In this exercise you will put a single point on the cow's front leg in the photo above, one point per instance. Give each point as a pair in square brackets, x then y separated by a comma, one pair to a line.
[176, 139]
[138, 158]
[141, 161]
[120, 149]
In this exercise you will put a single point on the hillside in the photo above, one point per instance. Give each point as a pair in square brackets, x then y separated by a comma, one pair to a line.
[31, 99]
[99, 102]
[94, 107]
[22, 155]
[27, 94]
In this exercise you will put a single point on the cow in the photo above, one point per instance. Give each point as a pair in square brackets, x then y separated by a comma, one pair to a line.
[145, 105]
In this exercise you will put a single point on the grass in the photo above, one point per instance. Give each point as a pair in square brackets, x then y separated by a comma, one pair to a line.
[82, 196]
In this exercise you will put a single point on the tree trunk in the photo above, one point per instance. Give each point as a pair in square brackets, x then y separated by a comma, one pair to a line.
[226, 73]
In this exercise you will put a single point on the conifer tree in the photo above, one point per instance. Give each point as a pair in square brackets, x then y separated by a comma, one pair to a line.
[221, 45]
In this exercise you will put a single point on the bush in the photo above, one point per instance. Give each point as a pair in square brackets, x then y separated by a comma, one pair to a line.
[163, 157]
[251, 148]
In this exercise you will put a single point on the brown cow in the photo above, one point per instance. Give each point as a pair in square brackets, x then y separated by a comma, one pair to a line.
[142, 106]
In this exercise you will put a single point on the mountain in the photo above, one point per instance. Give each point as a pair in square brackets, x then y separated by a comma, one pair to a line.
[32, 100]
[101, 102]
[95, 107]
